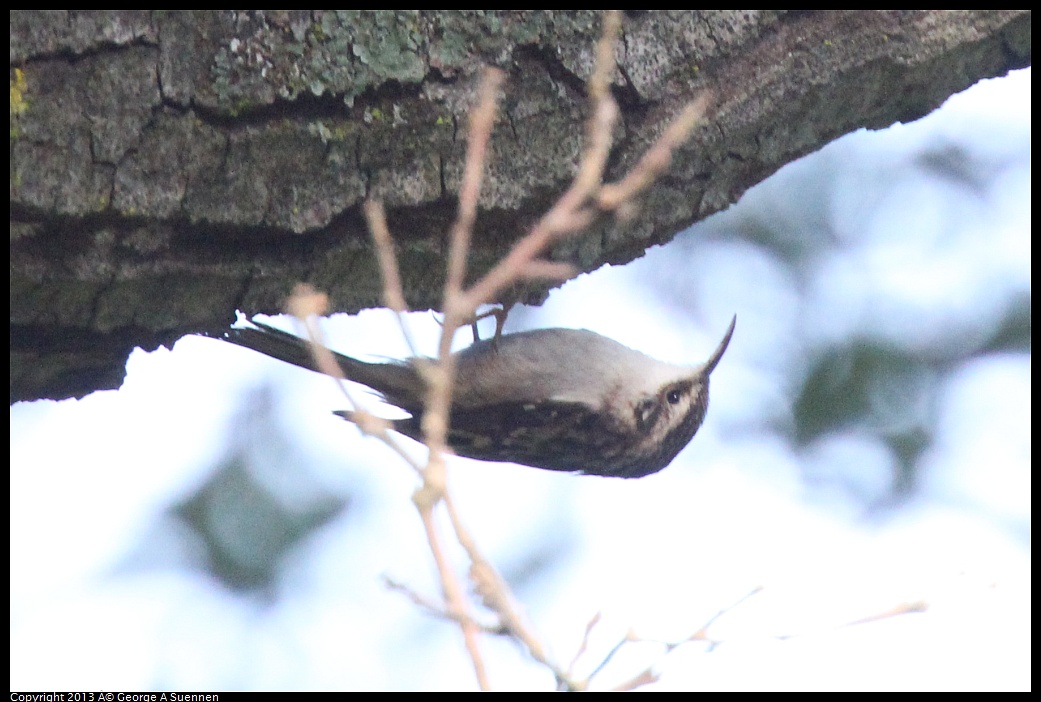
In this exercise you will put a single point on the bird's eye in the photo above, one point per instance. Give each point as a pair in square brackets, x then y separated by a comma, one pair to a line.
[673, 397]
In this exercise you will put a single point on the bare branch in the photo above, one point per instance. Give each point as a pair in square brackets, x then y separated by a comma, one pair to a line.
[393, 292]
[305, 304]
[900, 609]
[657, 159]
[565, 217]
[649, 675]
[603, 67]
[585, 641]
[425, 498]
[441, 380]
[702, 633]
[482, 119]
[435, 608]
[575, 210]
[550, 270]
[496, 595]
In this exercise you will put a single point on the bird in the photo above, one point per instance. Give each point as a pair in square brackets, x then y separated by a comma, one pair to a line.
[558, 399]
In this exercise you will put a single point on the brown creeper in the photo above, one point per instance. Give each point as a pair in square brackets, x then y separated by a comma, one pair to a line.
[561, 399]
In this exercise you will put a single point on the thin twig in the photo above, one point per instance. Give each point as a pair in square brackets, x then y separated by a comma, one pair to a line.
[439, 395]
[482, 119]
[644, 677]
[455, 602]
[496, 594]
[436, 609]
[702, 633]
[610, 654]
[574, 210]
[433, 488]
[393, 292]
[590, 625]
[603, 66]
[306, 305]
[901, 609]
[649, 675]
[549, 270]
[565, 217]
[657, 159]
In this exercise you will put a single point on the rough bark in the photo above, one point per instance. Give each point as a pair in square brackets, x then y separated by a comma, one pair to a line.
[168, 168]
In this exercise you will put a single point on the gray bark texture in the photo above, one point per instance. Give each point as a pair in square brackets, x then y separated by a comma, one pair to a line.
[168, 168]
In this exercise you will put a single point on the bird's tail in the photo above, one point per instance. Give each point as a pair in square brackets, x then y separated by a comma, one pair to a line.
[397, 382]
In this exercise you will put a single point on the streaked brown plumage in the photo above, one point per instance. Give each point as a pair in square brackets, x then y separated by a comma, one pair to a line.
[560, 399]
